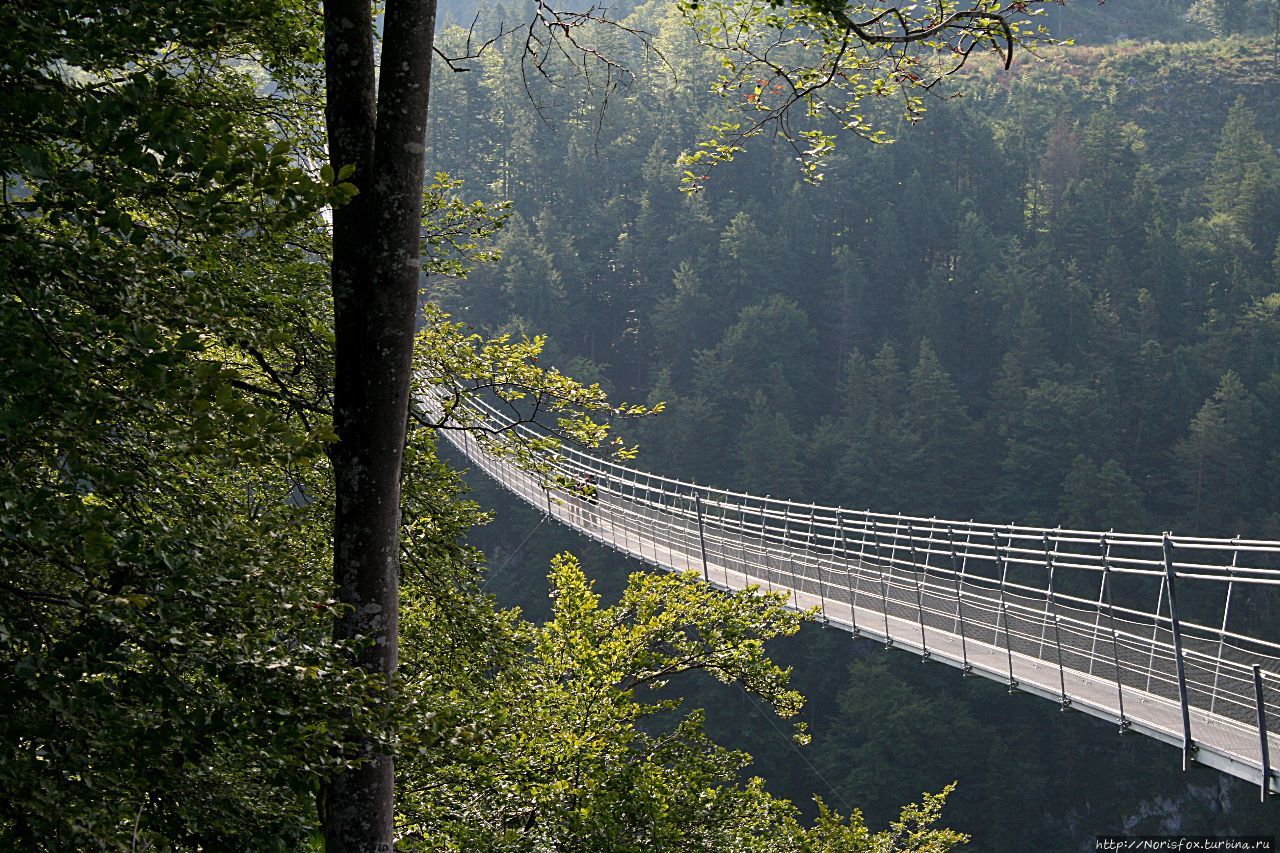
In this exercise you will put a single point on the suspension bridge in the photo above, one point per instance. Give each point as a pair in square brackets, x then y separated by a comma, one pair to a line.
[1141, 630]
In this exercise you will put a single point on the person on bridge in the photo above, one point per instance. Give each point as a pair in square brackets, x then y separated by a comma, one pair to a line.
[585, 490]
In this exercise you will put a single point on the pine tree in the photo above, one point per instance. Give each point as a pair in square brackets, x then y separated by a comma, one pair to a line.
[770, 349]
[681, 321]
[888, 384]
[745, 256]
[937, 417]
[1060, 165]
[532, 286]
[1214, 459]
[1244, 181]
[934, 406]
[854, 392]
[1098, 498]
[768, 452]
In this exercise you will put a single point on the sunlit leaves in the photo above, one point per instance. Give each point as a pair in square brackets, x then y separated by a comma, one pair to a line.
[567, 739]
[811, 70]
[460, 368]
[576, 748]
[164, 614]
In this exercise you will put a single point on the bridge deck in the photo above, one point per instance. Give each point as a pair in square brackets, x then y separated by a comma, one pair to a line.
[1111, 668]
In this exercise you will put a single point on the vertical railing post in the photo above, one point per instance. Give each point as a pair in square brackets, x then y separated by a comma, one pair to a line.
[724, 539]
[1048, 595]
[764, 542]
[702, 536]
[721, 556]
[955, 576]
[817, 562]
[639, 498]
[678, 520]
[613, 510]
[1115, 640]
[1097, 613]
[660, 516]
[1155, 631]
[848, 573]
[743, 563]
[762, 548]
[630, 513]
[597, 521]
[645, 518]
[1004, 608]
[884, 590]
[1262, 731]
[862, 552]
[915, 565]
[668, 516]
[762, 551]
[968, 552]
[623, 514]
[1188, 746]
[1057, 630]
[697, 491]
[786, 550]
[604, 509]
[658, 510]
[893, 556]
[1222, 632]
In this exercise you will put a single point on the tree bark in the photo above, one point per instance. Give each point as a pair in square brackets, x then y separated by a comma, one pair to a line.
[377, 122]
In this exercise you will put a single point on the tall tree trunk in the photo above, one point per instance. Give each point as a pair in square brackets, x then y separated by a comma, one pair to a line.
[376, 266]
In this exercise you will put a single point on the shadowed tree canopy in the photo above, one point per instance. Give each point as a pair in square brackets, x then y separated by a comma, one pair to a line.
[209, 387]
[376, 116]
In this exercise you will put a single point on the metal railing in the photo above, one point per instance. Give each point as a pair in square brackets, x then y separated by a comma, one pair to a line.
[1136, 628]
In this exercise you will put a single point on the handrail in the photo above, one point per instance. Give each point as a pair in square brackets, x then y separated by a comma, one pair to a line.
[1085, 618]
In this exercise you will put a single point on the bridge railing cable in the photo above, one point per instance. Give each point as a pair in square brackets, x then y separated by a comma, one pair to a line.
[1167, 633]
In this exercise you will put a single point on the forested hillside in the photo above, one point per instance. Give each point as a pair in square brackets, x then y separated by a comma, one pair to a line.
[243, 601]
[1056, 301]
[231, 616]
[1052, 301]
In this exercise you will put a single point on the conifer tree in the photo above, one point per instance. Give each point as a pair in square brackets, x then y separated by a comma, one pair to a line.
[1097, 498]
[1213, 459]
[768, 451]
[1243, 184]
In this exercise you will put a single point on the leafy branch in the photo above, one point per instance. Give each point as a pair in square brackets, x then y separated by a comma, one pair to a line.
[808, 71]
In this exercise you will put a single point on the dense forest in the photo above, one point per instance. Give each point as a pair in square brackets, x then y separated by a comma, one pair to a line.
[1054, 301]
[237, 608]
[246, 603]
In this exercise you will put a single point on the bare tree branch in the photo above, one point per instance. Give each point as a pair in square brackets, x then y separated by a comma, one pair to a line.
[471, 51]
